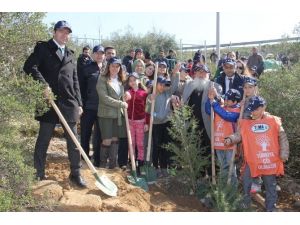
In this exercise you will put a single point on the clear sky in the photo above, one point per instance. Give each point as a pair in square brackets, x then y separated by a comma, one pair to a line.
[191, 27]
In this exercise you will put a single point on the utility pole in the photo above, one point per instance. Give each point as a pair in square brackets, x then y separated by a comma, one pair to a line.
[205, 50]
[180, 50]
[99, 35]
[218, 36]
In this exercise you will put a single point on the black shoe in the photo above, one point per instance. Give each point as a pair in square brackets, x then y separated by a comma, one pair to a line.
[140, 163]
[40, 178]
[78, 180]
[87, 156]
[97, 164]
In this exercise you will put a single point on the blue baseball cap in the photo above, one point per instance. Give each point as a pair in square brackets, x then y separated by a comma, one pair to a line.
[253, 68]
[98, 48]
[134, 74]
[250, 80]
[162, 63]
[201, 68]
[255, 102]
[233, 95]
[138, 50]
[149, 83]
[62, 24]
[161, 80]
[229, 61]
[183, 68]
[114, 60]
[168, 82]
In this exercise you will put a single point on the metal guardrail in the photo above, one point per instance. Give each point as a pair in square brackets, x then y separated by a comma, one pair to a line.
[242, 43]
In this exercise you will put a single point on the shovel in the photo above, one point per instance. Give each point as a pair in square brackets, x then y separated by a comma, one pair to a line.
[102, 182]
[235, 147]
[133, 179]
[212, 142]
[147, 170]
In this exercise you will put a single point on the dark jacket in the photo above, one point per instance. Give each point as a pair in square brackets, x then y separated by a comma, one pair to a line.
[47, 65]
[258, 61]
[237, 83]
[127, 62]
[82, 61]
[164, 59]
[90, 74]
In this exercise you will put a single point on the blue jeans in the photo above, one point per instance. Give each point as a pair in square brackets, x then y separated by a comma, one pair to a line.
[269, 182]
[224, 158]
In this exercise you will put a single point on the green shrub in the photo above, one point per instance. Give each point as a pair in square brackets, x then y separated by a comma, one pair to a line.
[225, 198]
[282, 90]
[186, 146]
[19, 96]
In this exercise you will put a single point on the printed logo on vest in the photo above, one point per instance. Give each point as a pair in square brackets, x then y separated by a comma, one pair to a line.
[260, 128]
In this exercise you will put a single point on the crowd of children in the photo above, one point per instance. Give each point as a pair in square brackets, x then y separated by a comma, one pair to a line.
[231, 115]
[256, 136]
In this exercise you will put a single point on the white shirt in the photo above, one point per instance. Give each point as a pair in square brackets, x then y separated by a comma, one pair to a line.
[115, 85]
[227, 82]
[62, 47]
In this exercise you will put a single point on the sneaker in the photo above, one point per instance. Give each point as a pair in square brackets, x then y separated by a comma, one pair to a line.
[245, 206]
[40, 178]
[123, 168]
[278, 188]
[255, 188]
[164, 172]
[172, 171]
[158, 173]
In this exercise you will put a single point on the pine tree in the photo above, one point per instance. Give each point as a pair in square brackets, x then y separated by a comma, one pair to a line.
[186, 146]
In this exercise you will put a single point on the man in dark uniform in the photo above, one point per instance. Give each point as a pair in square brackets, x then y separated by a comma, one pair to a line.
[53, 64]
[83, 60]
[90, 100]
[128, 61]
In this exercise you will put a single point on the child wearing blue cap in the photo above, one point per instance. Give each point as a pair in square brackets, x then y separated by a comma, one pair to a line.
[224, 125]
[111, 106]
[162, 69]
[161, 121]
[265, 148]
[250, 90]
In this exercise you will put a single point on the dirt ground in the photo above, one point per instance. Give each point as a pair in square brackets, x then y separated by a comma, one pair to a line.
[131, 198]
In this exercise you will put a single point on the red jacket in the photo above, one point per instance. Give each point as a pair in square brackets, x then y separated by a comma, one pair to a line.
[137, 104]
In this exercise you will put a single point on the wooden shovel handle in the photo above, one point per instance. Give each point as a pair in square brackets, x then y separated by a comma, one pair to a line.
[70, 132]
[151, 114]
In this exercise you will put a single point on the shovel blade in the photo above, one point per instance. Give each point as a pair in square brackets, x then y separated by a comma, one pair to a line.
[106, 185]
[149, 173]
[138, 181]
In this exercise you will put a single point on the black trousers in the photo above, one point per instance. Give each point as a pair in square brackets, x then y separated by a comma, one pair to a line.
[88, 120]
[42, 143]
[160, 155]
[123, 152]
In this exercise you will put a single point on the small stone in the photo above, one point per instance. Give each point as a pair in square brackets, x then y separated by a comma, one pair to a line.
[76, 201]
[297, 204]
[47, 189]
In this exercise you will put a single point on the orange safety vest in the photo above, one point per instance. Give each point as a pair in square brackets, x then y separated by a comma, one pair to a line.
[222, 129]
[261, 146]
